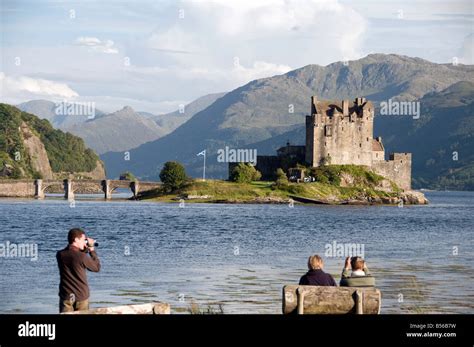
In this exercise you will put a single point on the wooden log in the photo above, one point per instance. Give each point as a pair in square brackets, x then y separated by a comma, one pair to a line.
[151, 308]
[330, 300]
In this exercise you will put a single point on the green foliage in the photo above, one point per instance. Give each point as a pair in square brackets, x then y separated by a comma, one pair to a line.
[173, 175]
[281, 178]
[245, 173]
[331, 174]
[66, 152]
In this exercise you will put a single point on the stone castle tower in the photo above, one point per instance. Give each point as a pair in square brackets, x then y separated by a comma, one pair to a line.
[340, 133]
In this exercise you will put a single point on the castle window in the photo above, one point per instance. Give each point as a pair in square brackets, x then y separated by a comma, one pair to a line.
[342, 128]
[360, 128]
[360, 145]
[367, 139]
[328, 130]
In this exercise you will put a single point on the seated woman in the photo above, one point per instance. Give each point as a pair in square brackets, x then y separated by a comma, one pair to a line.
[360, 275]
[316, 276]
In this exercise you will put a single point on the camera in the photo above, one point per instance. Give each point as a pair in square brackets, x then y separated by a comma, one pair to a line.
[94, 245]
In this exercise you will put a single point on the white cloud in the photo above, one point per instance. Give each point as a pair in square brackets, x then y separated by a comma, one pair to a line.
[238, 74]
[293, 32]
[21, 88]
[97, 45]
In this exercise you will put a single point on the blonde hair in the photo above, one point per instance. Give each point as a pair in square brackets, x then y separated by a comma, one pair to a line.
[315, 262]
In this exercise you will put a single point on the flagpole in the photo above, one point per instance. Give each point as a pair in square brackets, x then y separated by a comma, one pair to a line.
[204, 169]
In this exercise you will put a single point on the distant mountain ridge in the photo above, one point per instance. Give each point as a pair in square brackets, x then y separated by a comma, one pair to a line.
[118, 131]
[122, 130]
[45, 109]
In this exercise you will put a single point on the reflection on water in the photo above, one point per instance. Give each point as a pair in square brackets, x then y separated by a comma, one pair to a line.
[240, 256]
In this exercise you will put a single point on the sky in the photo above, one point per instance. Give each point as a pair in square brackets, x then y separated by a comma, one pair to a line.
[156, 55]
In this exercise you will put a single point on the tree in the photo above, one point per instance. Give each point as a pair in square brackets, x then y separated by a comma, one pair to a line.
[173, 175]
[245, 173]
[282, 179]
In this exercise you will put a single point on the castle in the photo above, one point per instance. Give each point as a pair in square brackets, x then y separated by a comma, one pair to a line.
[340, 133]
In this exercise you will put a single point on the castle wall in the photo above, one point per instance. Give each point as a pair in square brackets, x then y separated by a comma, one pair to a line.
[268, 164]
[397, 169]
[378, 156]
[345, 141]
[310, 154]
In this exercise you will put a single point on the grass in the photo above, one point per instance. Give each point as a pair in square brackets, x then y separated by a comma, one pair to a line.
[219, 190]
[261, 191]
[334, 184]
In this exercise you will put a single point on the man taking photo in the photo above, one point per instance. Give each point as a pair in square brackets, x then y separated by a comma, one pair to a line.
[73, 261]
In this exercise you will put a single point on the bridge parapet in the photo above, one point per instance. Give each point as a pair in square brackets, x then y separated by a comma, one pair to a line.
[37, 188]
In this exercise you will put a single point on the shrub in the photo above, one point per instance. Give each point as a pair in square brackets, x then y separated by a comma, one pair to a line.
[282, 179]
[245, 173]
[173, 175]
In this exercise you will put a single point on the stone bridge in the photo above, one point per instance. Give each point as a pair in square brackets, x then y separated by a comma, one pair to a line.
[38, 188]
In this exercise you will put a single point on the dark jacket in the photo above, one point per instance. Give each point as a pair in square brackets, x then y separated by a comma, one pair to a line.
[72, 263]
[317, 278]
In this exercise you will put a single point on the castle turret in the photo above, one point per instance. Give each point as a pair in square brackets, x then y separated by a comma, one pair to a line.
[345, 107]
[314, 100]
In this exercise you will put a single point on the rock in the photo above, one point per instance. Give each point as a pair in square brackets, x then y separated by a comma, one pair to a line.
[7, 170]
[413, 197]
[37, 152]
[192, 197]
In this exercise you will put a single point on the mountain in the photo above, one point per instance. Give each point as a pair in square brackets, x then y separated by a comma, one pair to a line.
[273, 106]
[60, 120]
[31, 148]
[441, 140]
[118, 131]
[170, 121]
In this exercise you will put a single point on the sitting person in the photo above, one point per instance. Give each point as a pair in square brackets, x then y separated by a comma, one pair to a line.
[316, 276]
[360, 275]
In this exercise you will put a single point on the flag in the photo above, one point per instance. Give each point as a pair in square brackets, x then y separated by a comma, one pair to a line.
[202, 153]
